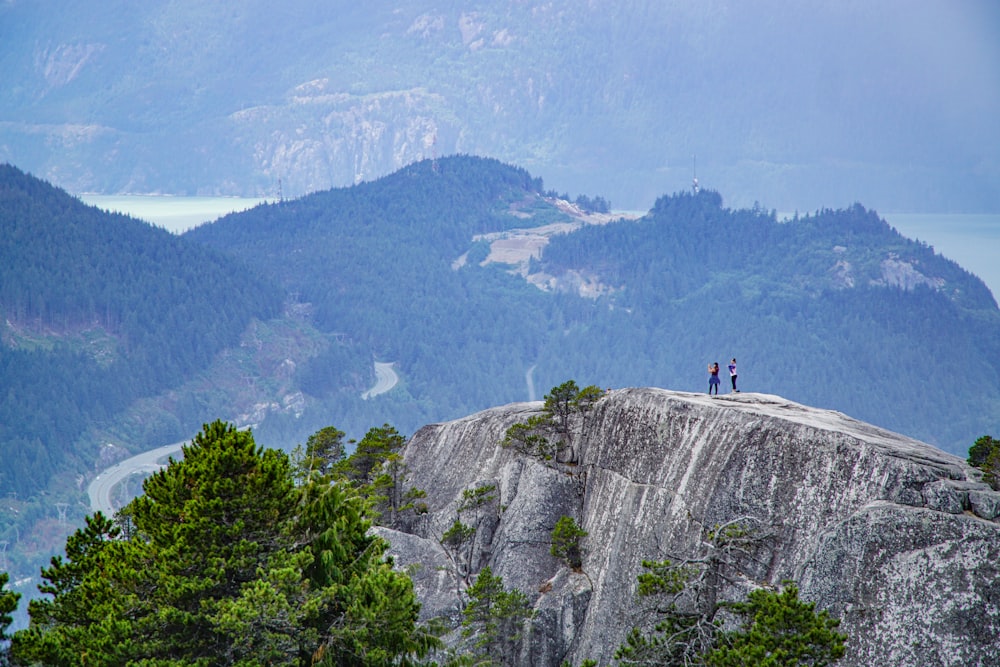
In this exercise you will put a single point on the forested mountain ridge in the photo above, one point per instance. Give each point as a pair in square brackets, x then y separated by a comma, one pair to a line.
[836, 309]
[691, 241]
[374, 264]
[98, 310]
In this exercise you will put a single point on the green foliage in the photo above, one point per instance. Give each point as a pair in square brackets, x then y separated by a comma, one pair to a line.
[364, 464]
[474, 499]
[679, 633]
[477, 505]
[323, 451]
[779, 630]
[8, 605]
[402, 503]
[566, 537]
[99, 310]
[227, 562]
[457, 535]
[985, 455]
[681, 599]
[560, 403]
[87, 613]
[668, 647]
[549, 436]
[494, 619]
[662, 578]
[528, 438]
[376, 469]
[363, 610]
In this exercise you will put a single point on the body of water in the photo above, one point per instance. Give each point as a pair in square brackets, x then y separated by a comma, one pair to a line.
[176, 214]
[972, 240]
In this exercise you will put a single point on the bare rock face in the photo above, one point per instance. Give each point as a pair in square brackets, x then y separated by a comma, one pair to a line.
[894, 537]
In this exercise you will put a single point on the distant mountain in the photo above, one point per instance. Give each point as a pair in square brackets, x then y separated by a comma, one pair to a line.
[99, 310]
[795, 106]
[438, 267]
[377, 265]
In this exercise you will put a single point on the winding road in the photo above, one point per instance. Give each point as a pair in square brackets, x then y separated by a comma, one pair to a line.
[102, 486]
[385, 379]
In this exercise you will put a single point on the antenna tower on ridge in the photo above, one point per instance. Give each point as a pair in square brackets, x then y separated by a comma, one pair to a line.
[694, 184]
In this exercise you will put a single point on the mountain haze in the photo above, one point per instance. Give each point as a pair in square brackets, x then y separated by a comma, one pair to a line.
[798, 107]
[834, 308]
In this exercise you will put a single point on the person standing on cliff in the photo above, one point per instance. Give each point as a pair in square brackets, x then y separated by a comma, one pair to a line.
[713, 378]
[732, 374]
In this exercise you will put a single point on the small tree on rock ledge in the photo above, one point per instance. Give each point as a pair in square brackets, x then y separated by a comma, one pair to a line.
[985, 455]
[550, 435]
[566, 538]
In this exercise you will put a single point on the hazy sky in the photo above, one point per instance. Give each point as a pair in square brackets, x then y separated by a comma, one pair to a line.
[890, 103]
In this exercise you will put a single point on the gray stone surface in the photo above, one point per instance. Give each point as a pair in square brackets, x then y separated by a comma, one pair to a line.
[889, 534]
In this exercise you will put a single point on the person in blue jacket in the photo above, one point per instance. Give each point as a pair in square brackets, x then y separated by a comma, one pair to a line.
[713, 378]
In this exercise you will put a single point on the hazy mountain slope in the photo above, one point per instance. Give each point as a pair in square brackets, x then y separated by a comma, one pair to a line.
[835, 309]
[798, 107]
[97, 311]
[374, 264]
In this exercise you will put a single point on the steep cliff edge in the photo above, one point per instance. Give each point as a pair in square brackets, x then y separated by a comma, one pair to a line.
[898, 539]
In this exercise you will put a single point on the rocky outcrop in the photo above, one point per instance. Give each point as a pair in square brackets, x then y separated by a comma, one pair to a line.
[894, 537]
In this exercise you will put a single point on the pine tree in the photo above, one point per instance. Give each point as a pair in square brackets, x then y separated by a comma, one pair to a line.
[324, 449]
[566, 537]
[8, 604]
[87, 618]
[779, 630]
[985, 455]
[227, 562]
[212, 521]
[494, 619]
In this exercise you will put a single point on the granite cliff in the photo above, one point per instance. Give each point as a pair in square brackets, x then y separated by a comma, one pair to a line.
[897, 539]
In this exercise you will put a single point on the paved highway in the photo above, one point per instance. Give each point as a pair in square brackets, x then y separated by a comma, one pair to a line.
[385, 379]
[101, 488]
